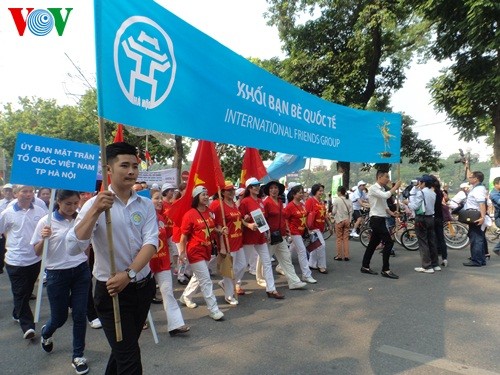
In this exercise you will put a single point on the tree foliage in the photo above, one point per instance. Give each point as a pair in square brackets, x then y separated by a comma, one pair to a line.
[466, 32]
[351, 53]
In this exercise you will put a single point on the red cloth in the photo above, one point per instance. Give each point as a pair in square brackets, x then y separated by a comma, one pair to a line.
[205, 171]
[176, 234]
[161, 260]
[318, 211]
[233, 222]
[275, 220]
[199, 246]
[251, 237]
[252, 166]
[296, 215]
[169, 224]
[119, 134]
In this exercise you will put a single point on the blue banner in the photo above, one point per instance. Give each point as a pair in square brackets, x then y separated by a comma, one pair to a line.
[54, 163]
[282, 165]
[156, 71]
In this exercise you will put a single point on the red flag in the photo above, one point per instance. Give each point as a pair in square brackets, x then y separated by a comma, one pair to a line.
[148, 158]
[205, 171]
[252, 166]
[119, 134]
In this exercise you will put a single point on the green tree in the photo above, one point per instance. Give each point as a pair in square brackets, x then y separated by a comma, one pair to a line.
[466, 32]
[350, 52]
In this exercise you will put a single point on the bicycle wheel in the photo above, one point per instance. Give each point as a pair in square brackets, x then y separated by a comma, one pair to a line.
[364, 236]
[455, 235]
[409, 240]
[327, 234]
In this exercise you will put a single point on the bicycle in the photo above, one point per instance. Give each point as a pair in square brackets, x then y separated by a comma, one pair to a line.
[403, 224]
[455, 236]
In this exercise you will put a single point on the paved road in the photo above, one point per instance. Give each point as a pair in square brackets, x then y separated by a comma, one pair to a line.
[348, 323]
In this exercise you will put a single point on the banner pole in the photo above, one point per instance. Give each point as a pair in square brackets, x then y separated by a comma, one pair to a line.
[109, 231]
[44, 258]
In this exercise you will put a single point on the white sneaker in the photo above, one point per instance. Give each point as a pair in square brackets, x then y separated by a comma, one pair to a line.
[232, 301]
[437, 268]
[299, 285]
[96, 323]
[424, 270]
[354, 234]
[217, 315]
[29, 334]
[309, 280]
[280, 270]
[444, 263]
[187, 302]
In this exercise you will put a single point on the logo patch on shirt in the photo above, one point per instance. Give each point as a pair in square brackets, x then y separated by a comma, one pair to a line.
[137, 218]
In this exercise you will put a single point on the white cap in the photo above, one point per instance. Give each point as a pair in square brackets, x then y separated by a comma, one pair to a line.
[198, 190]
[354, 188]
[252, 181]
[155, 186]
[166, 186]
[361, 183]
[239, 191]
[292, 184]
[8, 186]
[464, 185]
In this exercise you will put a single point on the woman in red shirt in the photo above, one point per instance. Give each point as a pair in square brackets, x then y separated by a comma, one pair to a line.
[316, 216]
[197, 235]
[232, 242]
[276, 219]
[160, 266]
[252, 238]
[296, 216]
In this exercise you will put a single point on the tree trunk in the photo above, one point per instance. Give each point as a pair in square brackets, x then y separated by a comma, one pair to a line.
[344, 167]
[178, 156]
[496, 143]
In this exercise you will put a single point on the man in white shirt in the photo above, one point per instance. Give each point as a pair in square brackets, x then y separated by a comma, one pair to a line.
[18, 223]
[377, 197]
[423, 203]
[135, 236]
[457, 202]
[358, 199]
[476, 200]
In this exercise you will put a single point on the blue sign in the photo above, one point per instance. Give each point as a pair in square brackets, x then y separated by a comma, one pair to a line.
[54, 163]
[156, 71]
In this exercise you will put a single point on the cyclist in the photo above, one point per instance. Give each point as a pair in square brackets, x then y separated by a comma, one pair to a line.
[359, 199]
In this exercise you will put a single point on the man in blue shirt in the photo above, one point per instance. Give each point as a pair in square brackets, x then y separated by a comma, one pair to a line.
[495, 199]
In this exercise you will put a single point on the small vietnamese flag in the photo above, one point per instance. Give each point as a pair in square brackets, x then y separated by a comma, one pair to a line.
[119, 134]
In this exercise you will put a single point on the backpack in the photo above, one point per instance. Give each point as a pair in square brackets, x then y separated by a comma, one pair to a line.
[406, 191]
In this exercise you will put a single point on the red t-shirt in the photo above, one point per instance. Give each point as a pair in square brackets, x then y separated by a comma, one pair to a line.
[296, 216]
[274, 215]
[233, 223]
[161, 260]
[169, 224]
[199, 246]
[251, 237]
[318, 209]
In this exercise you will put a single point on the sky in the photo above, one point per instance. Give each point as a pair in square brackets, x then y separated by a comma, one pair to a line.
[40, 66]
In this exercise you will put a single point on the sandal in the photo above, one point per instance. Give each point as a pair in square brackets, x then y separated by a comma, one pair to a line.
[323, 270]
[337, 258]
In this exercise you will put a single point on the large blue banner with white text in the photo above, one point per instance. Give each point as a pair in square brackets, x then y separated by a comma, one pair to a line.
[156, 71]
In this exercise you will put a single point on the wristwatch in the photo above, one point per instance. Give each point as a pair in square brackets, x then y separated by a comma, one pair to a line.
[131, 274]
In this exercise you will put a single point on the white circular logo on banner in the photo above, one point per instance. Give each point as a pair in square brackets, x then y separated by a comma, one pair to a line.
[144, 60]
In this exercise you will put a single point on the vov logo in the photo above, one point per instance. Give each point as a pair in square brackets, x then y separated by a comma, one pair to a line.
[40, 22]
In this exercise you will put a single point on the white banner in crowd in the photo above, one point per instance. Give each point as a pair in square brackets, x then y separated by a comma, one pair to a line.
[159, 177]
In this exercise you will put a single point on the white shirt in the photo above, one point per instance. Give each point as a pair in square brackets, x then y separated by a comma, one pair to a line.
[342, 209]
[4, 203]
[37, 201]
[57, 256]
[356, 198]
[476, 196]
[134, 225]
[457, 199]
[427, 197]
[377, 197]
[19, 225]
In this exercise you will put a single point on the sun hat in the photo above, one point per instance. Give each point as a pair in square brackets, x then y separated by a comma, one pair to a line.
[280, 186]
[361, 183]
[252, 181]
[166, 186]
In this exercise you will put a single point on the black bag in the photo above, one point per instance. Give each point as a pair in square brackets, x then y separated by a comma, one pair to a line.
[276, 237]
[457, 209]
[215, 248]
[469, 216]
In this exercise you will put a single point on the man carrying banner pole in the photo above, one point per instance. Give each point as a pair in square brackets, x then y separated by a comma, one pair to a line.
[133, 282]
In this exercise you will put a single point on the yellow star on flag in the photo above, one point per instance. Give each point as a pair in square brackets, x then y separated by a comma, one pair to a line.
[198, 180]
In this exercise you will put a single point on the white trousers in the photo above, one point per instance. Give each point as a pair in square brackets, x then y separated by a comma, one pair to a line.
[317, 258]
[251, 257]
[263, 252]
[201, 279]
[299, 247]
[174, 314]
[239, 267]
[285, 261]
